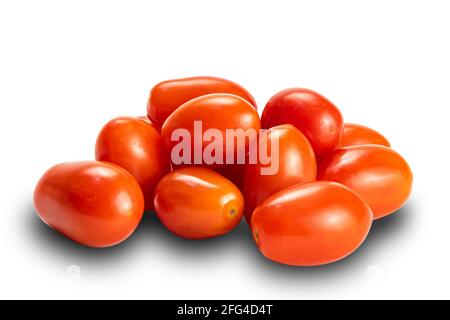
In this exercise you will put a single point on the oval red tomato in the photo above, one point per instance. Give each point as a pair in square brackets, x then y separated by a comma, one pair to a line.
[97, 204]
[136, 146]
[197, 203]
[311, 224]
[219, 112]
[296, 164]
[377, 173]
[167, 96]
[356, 134]
[315, 116]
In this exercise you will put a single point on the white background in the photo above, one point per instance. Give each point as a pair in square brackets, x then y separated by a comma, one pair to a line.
[66, 67]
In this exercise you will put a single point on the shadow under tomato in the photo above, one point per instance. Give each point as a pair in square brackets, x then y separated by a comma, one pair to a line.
[45, 238]
[383, 232]
[152, 233]
[153, 230]
[149, 231]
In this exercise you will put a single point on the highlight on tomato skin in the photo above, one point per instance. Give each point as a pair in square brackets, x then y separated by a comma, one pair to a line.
[165, 97]
[198, 203]
[311, 113]
[380, 175]
[136, 146]
[296, 164]
[311, 224]
[96, 204]
[356, 134]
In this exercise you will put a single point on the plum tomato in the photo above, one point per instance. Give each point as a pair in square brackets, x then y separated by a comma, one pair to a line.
[315, 116]
[97, 204]
[296, 164]
[219, 112]
[196, 203]
[311, 224]
[136, 146]
[168, 95]
[377, 173]
[356, 134]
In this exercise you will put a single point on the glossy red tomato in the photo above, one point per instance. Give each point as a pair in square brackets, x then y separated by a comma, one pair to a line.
[296, 164]
[196, 203]
[316, 117]
[355, 134]
[167, 96]
[377, 173]
[217, 111]
[136, 146]
[97, 204]
[311, 224]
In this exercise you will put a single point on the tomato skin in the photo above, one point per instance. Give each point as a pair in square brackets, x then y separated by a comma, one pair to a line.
[377, 173]
[146, 119]
[316, 117]
[97, 204]
[297, 164]
[219, 111]
[356, 134]
[167, 96]
[234, 173]
[311, 224]
[136, 146]
[197, 203]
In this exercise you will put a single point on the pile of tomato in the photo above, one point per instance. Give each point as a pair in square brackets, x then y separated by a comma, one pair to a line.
[333, 178]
